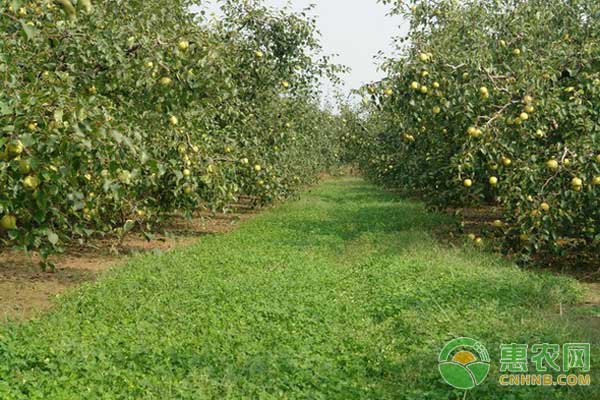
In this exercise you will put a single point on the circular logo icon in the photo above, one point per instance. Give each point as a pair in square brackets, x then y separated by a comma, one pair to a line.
[464, 363]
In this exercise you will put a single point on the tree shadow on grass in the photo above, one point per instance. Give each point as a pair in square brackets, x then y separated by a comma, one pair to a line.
[359, 210]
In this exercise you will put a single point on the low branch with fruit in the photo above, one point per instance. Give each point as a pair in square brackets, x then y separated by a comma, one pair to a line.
[113, 117]
[485, 106]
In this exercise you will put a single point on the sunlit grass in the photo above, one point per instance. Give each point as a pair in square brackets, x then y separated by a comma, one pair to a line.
[343, 294]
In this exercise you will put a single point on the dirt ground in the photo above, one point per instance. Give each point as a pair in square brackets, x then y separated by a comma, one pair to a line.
[584, 266]
[26, 290]
[575, 260]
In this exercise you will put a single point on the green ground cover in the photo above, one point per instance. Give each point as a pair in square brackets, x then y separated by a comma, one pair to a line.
[342, 294]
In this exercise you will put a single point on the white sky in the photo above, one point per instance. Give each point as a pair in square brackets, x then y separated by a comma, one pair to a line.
[356, 30]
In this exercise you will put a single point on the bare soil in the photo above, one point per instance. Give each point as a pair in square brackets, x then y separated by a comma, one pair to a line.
[577, 260]
[582, 265]
[26, 290]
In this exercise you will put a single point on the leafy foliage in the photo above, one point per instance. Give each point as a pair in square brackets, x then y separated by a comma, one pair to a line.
[113, 113]
[354, 299]
[493, 101]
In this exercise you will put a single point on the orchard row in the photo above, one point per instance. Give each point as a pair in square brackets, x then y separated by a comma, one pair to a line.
[493, 102]
[114, 113]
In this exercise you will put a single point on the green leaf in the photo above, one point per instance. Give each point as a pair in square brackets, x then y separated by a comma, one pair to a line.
[58, 116]
[5, 109]
[129, 224]
[52, 238]
[29, 30]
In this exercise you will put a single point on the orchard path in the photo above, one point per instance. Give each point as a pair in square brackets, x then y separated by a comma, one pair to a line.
[342, 294]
